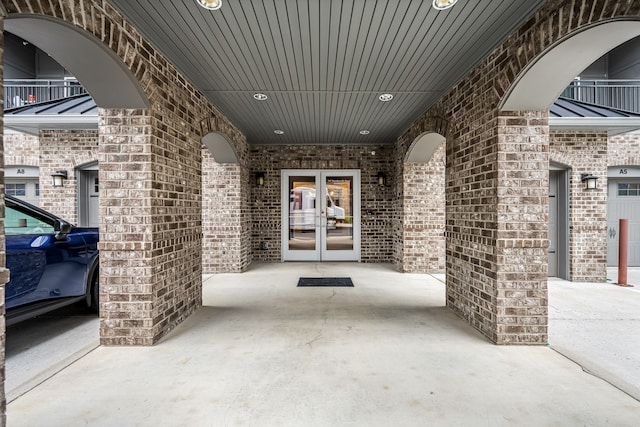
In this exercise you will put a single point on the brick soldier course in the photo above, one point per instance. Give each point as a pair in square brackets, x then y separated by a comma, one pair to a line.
[152, 199]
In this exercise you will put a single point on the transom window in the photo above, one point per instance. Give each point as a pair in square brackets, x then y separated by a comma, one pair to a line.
[625, 189]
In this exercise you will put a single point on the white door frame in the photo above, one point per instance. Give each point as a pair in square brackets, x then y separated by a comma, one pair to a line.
[319, 220]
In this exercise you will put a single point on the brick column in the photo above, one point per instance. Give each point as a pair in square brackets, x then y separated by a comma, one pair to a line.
[522, 234]
[423, 216]
[497, 208]
[150, 227]
[222, 220]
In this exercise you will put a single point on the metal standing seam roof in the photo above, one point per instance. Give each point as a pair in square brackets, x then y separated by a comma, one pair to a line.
[73, 113]
[82, 105]
[566, 107]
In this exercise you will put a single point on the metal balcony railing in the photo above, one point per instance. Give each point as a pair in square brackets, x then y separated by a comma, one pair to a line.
[19, 92]
[619, 94]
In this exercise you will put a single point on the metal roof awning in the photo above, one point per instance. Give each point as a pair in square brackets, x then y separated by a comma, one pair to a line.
[74, 113]
[569, 114]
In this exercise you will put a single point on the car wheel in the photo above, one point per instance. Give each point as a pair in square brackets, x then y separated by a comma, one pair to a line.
[94, 292]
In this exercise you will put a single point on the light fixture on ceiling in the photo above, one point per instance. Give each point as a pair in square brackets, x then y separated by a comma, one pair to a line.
[385, 97]
[260, 96]
[210, 4]
[278, 132]
[443, 4]
[364, 132]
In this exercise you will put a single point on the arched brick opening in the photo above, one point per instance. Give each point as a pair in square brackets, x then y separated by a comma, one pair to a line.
[222, 251]
[424, 217]
[497, 177]
[104, 75]
[541, 82]
[534, 89]
[423, 141]
[150, 153]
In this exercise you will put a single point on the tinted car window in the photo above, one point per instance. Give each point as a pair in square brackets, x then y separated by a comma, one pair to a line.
[17, 223]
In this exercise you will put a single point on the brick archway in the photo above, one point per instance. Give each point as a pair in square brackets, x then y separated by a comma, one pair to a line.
[423, 219]
[497, 177]
[150, 167]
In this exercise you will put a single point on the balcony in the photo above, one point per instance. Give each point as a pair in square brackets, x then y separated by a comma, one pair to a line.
[618, 94]
[20, 92]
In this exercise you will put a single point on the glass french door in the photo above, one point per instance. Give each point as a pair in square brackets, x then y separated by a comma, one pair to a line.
[321, 215]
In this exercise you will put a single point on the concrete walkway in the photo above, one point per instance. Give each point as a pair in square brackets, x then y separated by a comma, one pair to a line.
[263, 352]
[597, 325]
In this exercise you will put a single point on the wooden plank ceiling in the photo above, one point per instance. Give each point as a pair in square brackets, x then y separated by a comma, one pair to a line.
[323, 63]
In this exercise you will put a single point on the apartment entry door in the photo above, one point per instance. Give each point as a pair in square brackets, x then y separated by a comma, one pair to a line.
[320, 215]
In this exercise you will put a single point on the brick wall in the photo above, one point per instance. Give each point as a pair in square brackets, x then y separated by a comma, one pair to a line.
[377, 204]
[21, 149]
[222, 221]
[585, 152]
[624, 150]
[420, 187]
[424, 215]
[64, 150]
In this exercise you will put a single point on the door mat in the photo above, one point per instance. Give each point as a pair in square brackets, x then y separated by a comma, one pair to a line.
[325, 281]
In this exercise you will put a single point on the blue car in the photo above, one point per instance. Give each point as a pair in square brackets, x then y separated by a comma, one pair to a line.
[51, 263]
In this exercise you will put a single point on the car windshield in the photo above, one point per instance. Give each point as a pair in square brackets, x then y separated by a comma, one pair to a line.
[18, 223]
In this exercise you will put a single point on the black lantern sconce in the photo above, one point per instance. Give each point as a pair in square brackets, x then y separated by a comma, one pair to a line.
[382, 179]
[590, 181]
[260, 179]
[58, 178]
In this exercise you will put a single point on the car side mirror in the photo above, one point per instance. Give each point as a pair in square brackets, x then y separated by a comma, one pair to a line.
[62, 229]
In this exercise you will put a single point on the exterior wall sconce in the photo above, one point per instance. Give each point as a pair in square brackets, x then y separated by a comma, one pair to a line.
[382, 179]
[260, 179]
[58, 178]
[210, 4]
[590, 181]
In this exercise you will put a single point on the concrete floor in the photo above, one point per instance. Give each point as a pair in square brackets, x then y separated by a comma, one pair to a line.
[262, 352]
[598, 326]
[40, 347]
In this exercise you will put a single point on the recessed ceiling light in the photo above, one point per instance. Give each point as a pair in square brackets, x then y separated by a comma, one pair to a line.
[260, 96]
[210, 4]
[364, 132]
[278, 132]
[385, 97]
[443, 4]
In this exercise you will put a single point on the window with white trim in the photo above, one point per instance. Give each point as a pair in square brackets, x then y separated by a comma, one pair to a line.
[628, 189]
[16, 189]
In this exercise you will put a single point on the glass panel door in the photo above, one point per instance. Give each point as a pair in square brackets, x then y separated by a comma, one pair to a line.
[337, 217]
[303, 217]
[321, 215]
